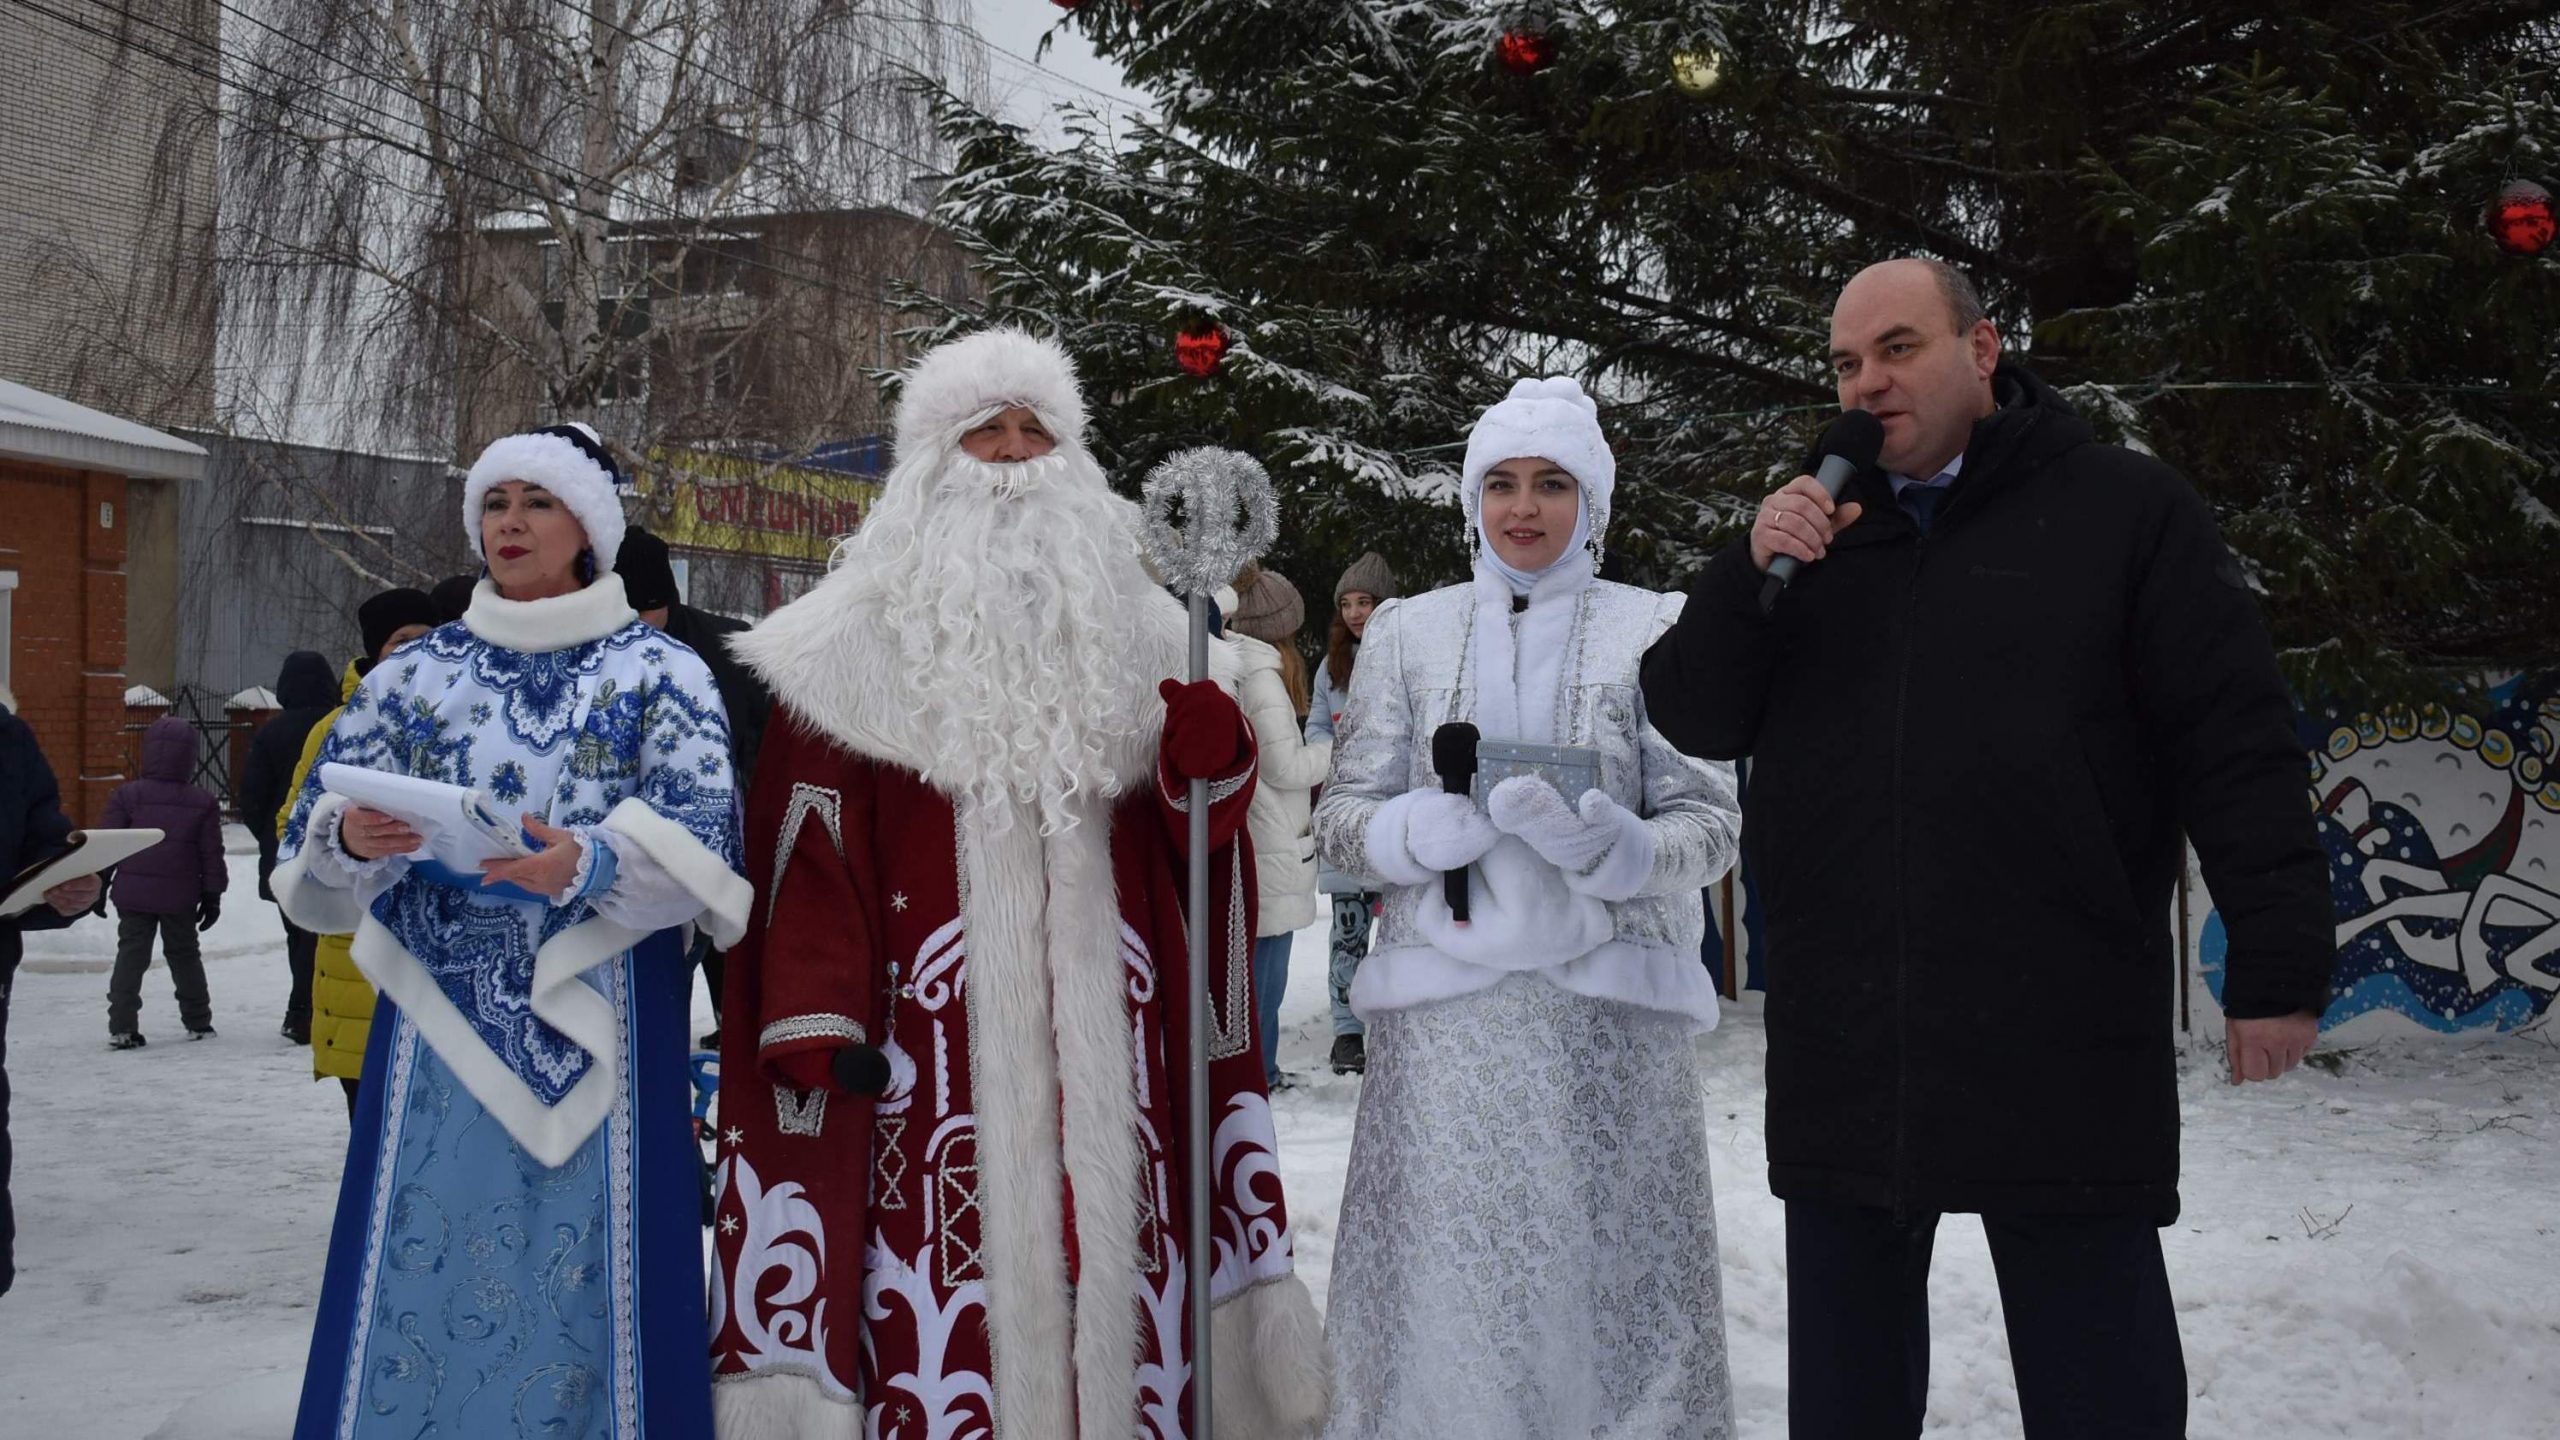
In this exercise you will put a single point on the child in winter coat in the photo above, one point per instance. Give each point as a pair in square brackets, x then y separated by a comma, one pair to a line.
[1365, 586]
[172, 890]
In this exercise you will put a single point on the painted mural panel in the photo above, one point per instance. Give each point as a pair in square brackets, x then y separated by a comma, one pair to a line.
[2443, 834]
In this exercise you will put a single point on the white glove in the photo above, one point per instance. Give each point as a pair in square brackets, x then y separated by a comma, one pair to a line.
[1419, 834]
[1604, 850]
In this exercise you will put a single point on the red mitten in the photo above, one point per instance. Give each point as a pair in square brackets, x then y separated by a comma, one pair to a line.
[1203, 730]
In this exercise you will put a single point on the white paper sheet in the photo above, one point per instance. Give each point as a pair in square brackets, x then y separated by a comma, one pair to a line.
[461, 826]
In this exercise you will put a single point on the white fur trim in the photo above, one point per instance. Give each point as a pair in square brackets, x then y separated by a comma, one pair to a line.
[1270, 1377]
[777, 1406]
[727, 899]
[1013, 1075]
[1520, 913]
[1548, 419]
[1668, 982]
[1098, 1102]
[959, 384]
[1517, 678]
[550, 1133]
[538, 627]
[559, 466]
[1048, 1004]
[318, 908]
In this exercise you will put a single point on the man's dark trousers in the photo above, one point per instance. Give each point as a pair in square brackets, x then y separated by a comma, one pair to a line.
[2092, 1335]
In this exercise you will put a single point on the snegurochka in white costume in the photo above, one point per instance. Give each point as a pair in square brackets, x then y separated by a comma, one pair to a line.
[518, 1246]
[1527, 1242]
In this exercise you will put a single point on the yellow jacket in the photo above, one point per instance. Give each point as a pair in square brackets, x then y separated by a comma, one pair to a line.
[341, 998]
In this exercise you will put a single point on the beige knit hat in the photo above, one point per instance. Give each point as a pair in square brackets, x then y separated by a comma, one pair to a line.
[1370, 576]
[1268, 607]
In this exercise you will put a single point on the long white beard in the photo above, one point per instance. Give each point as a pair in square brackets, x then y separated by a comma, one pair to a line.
[1008, 592]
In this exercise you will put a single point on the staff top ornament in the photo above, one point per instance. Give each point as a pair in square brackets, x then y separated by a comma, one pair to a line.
[2520, 219]
[1207, 511]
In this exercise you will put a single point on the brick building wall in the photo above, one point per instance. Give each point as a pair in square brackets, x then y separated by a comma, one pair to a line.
[107, 146]
[65, 538]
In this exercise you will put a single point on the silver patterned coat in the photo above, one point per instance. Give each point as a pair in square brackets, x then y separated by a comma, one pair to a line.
[1415, 675]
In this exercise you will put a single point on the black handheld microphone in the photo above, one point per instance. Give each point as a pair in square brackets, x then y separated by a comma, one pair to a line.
[1453, 755]
[1849, 444]
[862, 1070]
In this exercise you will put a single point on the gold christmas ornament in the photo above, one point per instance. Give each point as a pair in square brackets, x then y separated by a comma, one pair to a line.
[1697, 70]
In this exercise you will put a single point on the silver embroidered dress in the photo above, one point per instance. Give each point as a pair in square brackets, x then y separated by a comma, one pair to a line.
[1527, 1241]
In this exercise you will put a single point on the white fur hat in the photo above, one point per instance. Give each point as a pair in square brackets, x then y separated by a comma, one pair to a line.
[568, 460]
[959, 384]
[1548, 419]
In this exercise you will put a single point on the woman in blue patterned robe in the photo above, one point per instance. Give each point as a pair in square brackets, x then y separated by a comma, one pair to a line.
[518, 1247]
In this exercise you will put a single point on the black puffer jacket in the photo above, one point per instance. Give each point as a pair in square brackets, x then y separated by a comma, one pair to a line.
[1972, 755]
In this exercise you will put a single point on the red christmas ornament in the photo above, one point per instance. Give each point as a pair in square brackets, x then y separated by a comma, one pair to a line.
[1525, 50]
[1201, 348]
[1067, 4]
[2520, 219]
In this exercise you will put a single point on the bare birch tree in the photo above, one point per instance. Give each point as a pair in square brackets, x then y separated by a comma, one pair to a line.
[677, 219]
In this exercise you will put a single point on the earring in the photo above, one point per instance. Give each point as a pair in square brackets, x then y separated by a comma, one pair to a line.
[586, 567]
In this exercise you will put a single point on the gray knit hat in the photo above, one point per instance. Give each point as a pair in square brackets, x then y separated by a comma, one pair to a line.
[1370, 576]
[1268, 608]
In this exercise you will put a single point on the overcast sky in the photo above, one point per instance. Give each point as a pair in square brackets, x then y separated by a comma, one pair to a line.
[1023, 88]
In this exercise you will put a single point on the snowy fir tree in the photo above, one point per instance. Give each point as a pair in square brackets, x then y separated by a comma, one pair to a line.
[2247, 237]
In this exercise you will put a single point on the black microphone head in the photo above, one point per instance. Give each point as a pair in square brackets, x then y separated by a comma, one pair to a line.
[1856, 437]
[1453, 748]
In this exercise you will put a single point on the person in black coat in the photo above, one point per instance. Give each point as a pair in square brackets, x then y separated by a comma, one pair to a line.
[2016, 666]
[306, 691]
[649, 582]
[32, 828]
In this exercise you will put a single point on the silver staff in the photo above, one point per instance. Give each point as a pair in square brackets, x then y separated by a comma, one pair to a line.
[1208, 511]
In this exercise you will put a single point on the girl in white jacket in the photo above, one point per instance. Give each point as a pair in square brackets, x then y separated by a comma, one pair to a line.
[1263, 625]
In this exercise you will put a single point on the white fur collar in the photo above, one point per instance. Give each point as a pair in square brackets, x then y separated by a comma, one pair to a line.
[536, 627]
[1516, 680]
[829, 657]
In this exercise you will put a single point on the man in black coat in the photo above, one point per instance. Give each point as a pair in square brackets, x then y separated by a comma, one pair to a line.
[649, 582]
[32, 828]
[2016, 666]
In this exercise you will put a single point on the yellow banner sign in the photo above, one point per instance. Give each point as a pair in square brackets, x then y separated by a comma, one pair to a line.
[703, 500]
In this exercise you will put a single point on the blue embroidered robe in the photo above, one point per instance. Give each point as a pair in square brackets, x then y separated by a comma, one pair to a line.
[518, 1246]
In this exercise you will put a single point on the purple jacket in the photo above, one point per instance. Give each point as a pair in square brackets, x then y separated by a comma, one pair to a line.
[168, 878]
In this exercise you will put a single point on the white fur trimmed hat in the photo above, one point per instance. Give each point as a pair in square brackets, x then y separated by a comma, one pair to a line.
[961, 383]
[568, 460]
[1549, 419]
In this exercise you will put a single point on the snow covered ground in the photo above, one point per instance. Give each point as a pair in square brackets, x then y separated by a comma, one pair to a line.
[2370, 1253]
